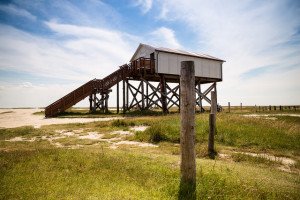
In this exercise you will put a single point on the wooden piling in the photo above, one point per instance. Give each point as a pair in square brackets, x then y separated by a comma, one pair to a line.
[118, 97]
[143, 95]
[91, 102]
[124, 94]
[187, 131]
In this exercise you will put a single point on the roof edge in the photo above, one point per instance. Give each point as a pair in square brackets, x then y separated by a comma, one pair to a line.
[177, 53]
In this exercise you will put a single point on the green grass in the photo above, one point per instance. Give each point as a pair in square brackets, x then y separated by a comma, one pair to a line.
[39, 170]
[232, 130]
[102, 174]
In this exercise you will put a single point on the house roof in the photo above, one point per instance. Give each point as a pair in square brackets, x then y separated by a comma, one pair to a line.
[176, 51]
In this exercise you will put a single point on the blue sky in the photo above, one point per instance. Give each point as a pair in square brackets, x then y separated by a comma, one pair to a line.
[48, 48]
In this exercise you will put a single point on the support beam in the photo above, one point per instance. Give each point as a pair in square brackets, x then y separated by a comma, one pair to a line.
[91, 102]
[118, 98]
[143, 95]
[95, 103]
[147, 95]
[124, 95]
[127, 94]
[163, 94]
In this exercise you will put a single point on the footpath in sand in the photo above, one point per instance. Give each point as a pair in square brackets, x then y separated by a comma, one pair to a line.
[11, 118]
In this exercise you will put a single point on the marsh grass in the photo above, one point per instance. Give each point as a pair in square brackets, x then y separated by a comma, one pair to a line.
[102, 174]
[38, 170]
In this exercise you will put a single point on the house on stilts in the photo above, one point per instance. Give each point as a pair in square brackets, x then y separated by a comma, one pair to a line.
[155, 73]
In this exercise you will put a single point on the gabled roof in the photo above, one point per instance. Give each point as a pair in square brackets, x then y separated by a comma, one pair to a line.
[175, 51]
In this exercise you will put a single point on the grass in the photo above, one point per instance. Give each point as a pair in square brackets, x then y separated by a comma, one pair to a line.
[98, 174]
[39, 170]
[232, 130]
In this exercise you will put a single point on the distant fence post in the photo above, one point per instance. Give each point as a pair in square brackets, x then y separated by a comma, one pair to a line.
[187, 131]
[229, 107]
[241, 107]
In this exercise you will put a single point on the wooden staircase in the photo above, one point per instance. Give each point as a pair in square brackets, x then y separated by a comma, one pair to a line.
[99, 85]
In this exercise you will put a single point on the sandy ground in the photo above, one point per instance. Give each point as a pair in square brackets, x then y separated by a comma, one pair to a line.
[267, 115]
[119, 138]
[11, 118]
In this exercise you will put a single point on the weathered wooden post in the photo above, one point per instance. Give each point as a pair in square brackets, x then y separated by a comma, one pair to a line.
[124, 99]
[229, 107]
[187, 131]
[94, 102]
[143, 95]
[241, 107]
[91, 102]
[212, 126]
[118, 97]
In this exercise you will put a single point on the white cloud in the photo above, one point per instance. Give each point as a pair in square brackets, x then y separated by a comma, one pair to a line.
[145, 5]
[14, 10]
[248, 35]
[32, 95]
[77, 53]
[164, 37]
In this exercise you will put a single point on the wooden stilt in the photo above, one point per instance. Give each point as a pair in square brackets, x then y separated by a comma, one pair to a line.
[163, 93]
[127, 94]
[124, 94]
[143, 95]
[118, 98]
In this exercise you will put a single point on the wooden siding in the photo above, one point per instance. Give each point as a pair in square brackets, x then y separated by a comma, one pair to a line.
[168, 63]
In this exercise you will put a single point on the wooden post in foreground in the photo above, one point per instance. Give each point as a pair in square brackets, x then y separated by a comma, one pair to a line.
[212, 126]
[187, 131]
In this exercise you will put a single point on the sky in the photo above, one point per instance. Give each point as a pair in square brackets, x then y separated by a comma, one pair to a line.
[50, 47]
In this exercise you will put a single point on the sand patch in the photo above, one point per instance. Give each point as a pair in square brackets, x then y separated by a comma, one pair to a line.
[132, 143]
[282, 160]
[11, 118]
[91, 136]
[21, 139]
[122, 133]
[139, 128]
[115, 141]
[285, 163]
[270, 116]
